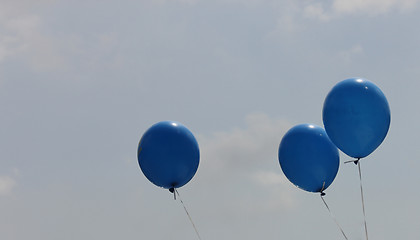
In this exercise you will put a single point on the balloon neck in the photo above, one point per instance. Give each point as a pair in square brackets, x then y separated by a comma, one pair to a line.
[322, 190]
[172, 190]
[353, 161]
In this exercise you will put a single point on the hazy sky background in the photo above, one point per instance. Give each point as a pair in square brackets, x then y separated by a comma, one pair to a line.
[80, 82]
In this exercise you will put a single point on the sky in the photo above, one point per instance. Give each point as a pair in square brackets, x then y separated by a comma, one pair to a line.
[81, 81]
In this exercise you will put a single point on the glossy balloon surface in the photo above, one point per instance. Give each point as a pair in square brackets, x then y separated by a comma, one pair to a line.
[168, 154]
[308, 158]
[356, 116]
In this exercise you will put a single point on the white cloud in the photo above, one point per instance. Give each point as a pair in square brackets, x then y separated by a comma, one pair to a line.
[245, 148]
[188, 2]
[316, 11]
[350, 54]
[6, 185]
[371, 6]
[23, 36]
[247, 157]
[27, 40]
[269, 178]
[277, 185]
[341, 8]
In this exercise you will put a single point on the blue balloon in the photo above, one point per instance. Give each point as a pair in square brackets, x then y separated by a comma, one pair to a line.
[308, 158]
[168, 154]
[356, 116]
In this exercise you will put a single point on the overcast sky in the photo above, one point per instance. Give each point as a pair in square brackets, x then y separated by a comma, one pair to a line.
[81, 81]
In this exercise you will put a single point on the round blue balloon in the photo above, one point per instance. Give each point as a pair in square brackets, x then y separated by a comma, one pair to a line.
[168, 154]
[308, 158]
[356, 116]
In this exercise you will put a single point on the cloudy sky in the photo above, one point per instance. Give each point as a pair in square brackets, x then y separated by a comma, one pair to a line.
[81, 81]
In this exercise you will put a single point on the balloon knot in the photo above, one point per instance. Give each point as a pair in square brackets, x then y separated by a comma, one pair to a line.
[322, 194]
[172, 190]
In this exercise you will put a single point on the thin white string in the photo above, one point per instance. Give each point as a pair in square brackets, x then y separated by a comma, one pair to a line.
[332, 216]
[363, 201]
[357, 162]
[186, 211]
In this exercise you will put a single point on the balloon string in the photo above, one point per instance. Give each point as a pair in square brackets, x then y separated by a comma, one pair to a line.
[363, 201]
[332, 215]
[357, 162]
[186, 211]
